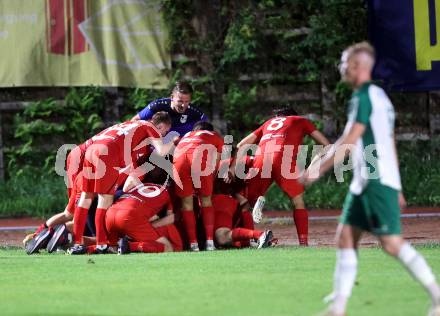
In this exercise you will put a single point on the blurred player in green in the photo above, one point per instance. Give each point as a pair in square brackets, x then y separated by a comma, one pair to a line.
[375, 196]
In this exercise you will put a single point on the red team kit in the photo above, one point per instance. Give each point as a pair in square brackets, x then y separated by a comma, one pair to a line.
[150, 216]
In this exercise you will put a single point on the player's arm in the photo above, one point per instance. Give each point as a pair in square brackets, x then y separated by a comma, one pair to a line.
[161, 148]
[147, 113]
[402, 200]
[335, 156]
[250, 139]
[319, 138]
[131, 182]
[167, 220]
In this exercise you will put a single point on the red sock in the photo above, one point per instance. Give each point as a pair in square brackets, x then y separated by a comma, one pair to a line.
[147, 246]
[240, 234]
[189, 222]
[79, 223]
[208, 221]
[301, 218]
[101, 234]
[248, 221]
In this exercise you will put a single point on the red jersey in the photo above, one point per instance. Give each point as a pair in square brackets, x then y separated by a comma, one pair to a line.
[192, 140]
[144, 201]
[132, 138]
[283, 130]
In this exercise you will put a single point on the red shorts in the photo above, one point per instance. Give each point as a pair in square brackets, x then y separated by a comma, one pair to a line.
[74, 165]
[192, 181]
[224, 207]
[121, 222]
[259, 184]
[101, 168]
[172, 234]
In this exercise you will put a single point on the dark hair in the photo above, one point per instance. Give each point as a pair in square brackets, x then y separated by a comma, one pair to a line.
[285, 111]
[203, 126]
[161, 117]
[182, 87]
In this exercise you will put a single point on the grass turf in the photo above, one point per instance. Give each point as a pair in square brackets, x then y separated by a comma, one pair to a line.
[280, 281]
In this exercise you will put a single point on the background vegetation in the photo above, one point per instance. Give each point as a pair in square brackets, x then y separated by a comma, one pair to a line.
[243, 58]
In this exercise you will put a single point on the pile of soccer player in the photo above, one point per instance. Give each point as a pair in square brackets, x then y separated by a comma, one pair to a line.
[166, 181]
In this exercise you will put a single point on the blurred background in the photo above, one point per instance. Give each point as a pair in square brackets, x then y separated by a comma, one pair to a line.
[96, 64]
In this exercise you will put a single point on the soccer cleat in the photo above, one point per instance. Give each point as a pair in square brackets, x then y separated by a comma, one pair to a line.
[123, 246]
[77, 250]
[303, 240]
[194, 247]
[434, 311]
[210, 245]
[39, 241]
[102, 249]
[257, 211]
[59, 238]
[265, 238]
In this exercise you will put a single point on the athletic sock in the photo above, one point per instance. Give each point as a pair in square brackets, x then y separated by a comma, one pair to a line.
[189, 222]
[301, 218]
[344, 277]
[242, 234]
[101, 234]
[419, 269]
[79, 224]
[248, 221]
[147, 246]
[208, 221]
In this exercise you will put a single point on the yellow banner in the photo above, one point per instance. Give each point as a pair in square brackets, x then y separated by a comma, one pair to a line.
[83, 42]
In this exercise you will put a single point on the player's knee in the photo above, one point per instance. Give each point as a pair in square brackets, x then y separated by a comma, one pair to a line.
[168, 247]
[391, 246]
[206, 201]
[298, 202]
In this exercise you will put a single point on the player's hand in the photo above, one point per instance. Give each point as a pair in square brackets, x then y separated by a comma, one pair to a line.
[306, 179]
[402, 201]
[130, 183]
[176, 140]
[229, 177]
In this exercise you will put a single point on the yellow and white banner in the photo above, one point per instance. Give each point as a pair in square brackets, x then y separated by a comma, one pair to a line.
[83, 42]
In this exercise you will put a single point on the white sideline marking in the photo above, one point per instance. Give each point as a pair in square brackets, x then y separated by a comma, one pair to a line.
[288, 219]
[267, 220]
[21, 228]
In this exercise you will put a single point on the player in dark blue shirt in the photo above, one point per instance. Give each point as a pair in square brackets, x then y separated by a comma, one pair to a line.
[178, 106]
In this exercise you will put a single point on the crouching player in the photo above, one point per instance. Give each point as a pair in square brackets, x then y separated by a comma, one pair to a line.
[132, 221]
[111, 151]
[226, 235]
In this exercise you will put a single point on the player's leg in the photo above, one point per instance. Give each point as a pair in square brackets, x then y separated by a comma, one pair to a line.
[413, 261]
[182, 171]
[301, 219]
[208, 221]
[353, 223]
[80, 219]
[347, 238]
[189, 222]
[104, 203]
[295, 191]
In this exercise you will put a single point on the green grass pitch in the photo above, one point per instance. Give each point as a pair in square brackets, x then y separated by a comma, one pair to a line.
[279, 281]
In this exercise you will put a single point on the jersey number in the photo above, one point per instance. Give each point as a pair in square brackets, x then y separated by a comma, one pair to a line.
[149, 191]
[276, 123]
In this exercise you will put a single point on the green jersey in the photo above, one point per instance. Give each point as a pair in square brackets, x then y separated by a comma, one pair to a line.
[374, 157]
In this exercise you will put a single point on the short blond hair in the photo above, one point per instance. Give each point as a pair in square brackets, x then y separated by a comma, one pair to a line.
[358, 48]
